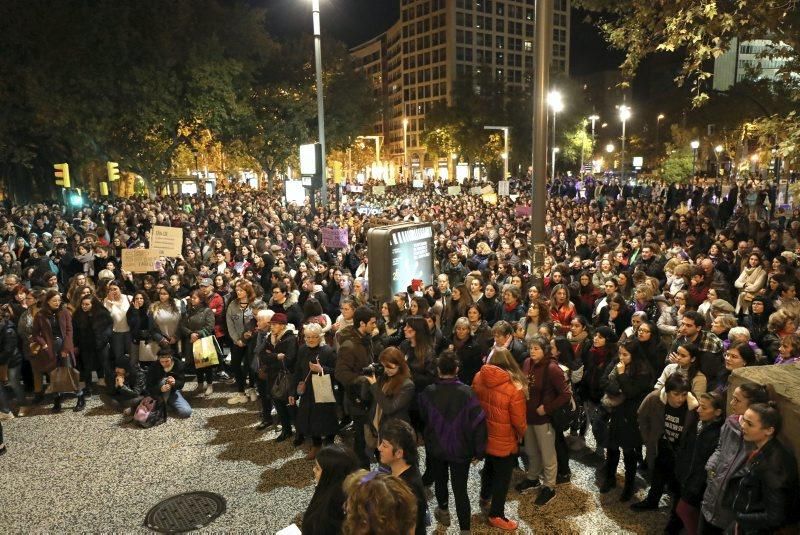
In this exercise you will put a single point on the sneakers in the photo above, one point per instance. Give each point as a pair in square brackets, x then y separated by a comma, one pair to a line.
[503, 523]
[6, 415]
[442, 516]
[644, 505]
[545, 495]
[527, 484]
[252, 394]
[209, 389]
[265, 424]
[428, 493]
[238, 398]
[127, 412]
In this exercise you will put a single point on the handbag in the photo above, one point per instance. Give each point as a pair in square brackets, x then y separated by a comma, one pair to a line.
[563, 416]
[150, 413]
[205, 352]
[148, 351]
[41, 359]
[65, 378]
[301, 386]
[323, 388]
[282, 387]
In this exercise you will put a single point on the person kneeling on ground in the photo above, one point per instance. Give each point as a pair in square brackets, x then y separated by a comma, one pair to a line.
[129, 386]
[166, 381]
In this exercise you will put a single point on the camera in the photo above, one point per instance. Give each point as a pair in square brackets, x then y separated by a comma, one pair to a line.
[374, 369]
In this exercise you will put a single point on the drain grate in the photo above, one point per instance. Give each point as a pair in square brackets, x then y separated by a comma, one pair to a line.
[185, 512]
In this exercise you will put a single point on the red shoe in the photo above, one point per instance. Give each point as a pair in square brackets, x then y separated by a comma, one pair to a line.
[502, 523]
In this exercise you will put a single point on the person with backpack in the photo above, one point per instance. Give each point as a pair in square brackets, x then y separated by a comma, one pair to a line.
[455, 434]
[548, 390]
[165, 382]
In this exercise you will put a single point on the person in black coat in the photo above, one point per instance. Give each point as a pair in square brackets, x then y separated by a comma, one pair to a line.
[92, 326]
[468, 350]
[690, 468]
[767, 497]
[627, 380]
[129, 386]
[165, 381]
[11, 357]
[325, 513]
[139, 323]
[279, 353]
[315, 419]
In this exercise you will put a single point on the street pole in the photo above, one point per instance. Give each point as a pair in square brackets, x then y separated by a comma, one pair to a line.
[543, 44]
[405, 151]
[320, 101]
[553, 151]
[622, 158]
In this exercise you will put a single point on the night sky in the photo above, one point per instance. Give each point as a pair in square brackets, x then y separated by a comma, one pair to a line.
[355, 21]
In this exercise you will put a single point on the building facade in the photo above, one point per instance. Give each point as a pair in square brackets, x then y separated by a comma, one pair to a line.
[743, 60]
[437, 42]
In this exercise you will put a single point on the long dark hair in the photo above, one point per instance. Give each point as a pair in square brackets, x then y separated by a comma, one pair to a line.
[639, 364]
[423, 345]
[326, 507]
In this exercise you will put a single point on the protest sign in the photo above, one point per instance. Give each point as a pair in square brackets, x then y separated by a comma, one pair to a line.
[335, 238]
[139, 260]
[378, 190]
[166, 241]
[491, 198]
[503, 187]
[453, 190]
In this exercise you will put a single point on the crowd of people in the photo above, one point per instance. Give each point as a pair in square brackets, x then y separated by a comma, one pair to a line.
[649, 298]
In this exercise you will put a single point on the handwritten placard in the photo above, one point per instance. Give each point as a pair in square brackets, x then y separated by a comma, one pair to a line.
[487, 189]
[139, 260]
[453, 190]
[335, 238]
[503, 187]
[378, 190]
[490, 198]
[390, 181]
[418, 184]
[166, 241]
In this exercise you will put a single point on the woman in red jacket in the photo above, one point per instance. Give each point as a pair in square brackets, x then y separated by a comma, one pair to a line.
[562, 310]
[501, 388]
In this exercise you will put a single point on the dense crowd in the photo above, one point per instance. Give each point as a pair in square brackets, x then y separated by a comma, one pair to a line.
[650, 297]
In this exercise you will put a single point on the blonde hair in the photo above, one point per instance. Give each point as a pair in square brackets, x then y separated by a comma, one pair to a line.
[503, 359]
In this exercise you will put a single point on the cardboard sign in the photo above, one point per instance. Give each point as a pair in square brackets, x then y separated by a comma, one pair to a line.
[390, 181]
[487, 189]
[335, 238]
[523, 211]
[418, 184]
[139, 260]
[491, 198]
[166, 241]
[378, 190]
[453, 190]
[475, 190]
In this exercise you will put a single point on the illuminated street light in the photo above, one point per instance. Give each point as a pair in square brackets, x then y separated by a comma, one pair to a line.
[624, 115]
[610, 148]
[658, 126]
[695, 144]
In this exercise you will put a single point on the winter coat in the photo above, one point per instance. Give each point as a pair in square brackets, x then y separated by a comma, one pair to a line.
[690, 466]
[285, 343]
[239, 321]
[422, 374]
[623, 424]
[92, 333]
[595, 364]
[10, 354]
[729, 456]
[699, 381]
[749, 283]
[198, 320]
[455, 423]
[562, 317]
[314, 419]
[511, 316]
[139, 323]
[553, 395]
[355, 353]
[43, 334]
[766, 491]
[470, 355]
[217, 305]
[393, 406]
[156, 374]
[651, 422]
[504, 405]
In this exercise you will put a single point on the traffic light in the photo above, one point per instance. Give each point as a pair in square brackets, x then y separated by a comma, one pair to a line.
[62, 174]
[113, 171]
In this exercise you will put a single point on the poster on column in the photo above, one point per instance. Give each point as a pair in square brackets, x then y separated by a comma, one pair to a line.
[503, 187]
[166, 241]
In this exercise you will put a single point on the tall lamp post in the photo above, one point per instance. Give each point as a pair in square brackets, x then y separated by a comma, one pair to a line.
[624, 115]
[695, 144]
[320, 101]
[556, 103]
[658, 126]
[377, 140]
[717, 151]
[610, 151]
[505, 130]
[594, 118]
[405, 150]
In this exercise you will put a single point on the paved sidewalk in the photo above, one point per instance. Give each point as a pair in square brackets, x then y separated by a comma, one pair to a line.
[89, 472]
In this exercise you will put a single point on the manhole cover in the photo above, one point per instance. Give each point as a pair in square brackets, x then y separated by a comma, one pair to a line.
[185, 512]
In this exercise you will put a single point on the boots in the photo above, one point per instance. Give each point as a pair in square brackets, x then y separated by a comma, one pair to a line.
[610, 471]
[630, 480]
[81, 403]
[56, 404]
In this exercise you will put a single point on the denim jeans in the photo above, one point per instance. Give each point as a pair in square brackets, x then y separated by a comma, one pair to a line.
[178, 404]
[598, 418]
[15, 381]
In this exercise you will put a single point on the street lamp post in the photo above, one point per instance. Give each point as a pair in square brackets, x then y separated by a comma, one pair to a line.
[658, 126]
[405, 150]
[320, 101]
[610, 151]
[594, 117]
[717, 151]
[505, 130]
[557, 104]
[624, 115]
[695, 144]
